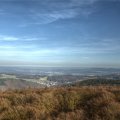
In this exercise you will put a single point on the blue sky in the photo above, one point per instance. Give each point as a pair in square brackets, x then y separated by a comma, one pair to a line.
[60, 33]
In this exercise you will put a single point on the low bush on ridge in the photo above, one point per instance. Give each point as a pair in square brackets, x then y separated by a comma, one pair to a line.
[63, 103]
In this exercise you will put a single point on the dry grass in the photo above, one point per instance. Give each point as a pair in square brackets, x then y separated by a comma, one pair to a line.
[75, 103]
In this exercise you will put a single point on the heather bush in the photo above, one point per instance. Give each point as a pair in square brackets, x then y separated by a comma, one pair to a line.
[69, 103]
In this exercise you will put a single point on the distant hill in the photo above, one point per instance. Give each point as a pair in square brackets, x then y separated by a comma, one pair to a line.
[95, 82]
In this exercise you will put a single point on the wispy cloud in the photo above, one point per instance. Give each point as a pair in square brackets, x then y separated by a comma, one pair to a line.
[10, 38]
[45, 18]
[58, 10]
[49, 11]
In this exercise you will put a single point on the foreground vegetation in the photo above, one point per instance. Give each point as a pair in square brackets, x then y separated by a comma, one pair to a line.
[70, 103]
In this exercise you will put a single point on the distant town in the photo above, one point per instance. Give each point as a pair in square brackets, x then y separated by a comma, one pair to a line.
[24, 77]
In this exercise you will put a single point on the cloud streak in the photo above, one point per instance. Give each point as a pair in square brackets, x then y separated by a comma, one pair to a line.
[58, 10]
[9, 38]
[49, 11]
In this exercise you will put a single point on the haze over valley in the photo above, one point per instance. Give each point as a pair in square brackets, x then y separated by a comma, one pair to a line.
[36, 77]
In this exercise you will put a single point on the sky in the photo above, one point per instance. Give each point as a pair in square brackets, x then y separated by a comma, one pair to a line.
[60, 33]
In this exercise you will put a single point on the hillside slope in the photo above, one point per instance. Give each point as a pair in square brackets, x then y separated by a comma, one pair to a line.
[70, 103]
